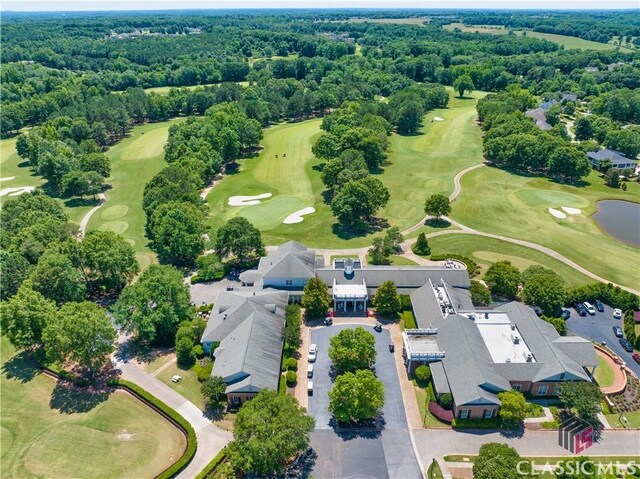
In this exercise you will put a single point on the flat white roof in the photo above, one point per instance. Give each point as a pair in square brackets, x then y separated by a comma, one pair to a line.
[350, 291]
[502, 338]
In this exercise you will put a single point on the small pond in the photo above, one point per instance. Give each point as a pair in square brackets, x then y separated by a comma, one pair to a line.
[621, 219]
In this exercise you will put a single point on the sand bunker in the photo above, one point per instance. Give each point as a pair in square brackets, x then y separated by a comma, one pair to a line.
[557, 213]
[438, 118]
[571, 211]
[248, 200]
[7, 178]
[17, 190]
[297, 217]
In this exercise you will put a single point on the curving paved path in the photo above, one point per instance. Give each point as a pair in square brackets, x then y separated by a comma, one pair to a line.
[211, 439]
[87, 217]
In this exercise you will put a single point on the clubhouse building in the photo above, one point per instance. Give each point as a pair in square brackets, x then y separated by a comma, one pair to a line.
[474, 353]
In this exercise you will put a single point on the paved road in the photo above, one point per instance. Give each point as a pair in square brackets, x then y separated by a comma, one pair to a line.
[600, 328]
[385, 454]
[211, 439]
[433, 443]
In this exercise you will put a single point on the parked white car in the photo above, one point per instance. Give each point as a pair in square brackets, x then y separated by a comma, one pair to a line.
[617, 313]
[313, 353]
[175, 378]
[589, 307]
[310, 370]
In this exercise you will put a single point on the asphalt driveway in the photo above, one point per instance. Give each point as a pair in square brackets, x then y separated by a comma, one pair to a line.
[600, 328]
[383, 453]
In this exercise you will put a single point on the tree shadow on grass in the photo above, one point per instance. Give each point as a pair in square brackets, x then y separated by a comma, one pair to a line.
[373, 226]
[77, 202]
[69, 398]
[20, 367]
[437, 223]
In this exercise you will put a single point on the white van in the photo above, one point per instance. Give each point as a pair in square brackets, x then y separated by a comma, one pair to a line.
[589, 307]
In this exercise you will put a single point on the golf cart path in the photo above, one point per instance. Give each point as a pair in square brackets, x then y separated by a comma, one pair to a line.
[211, 439]
[83, 224]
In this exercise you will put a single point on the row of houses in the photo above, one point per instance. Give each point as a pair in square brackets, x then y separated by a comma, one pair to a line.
[474, 353]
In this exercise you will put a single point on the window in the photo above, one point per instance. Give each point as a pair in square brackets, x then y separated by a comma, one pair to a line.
[488, 413]
[542, 390]
[562, 376]
[517, 387]
[235, 400]
[288, 282]
[464, 413]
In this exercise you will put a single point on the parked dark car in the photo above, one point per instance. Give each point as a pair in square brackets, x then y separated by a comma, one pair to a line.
[580, 309]
[566, 314]
[392, 348]
[378, 327]
[617, 330]
[628, 347]
[599, 305]
[636, 357]
[328, 321]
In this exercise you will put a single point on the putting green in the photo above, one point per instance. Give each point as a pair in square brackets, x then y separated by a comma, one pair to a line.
[495, 201]
[486, 251]
[115, 436]
[134, 161]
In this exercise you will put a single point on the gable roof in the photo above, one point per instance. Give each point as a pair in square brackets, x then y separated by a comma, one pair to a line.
[539, 117]
[616, 157]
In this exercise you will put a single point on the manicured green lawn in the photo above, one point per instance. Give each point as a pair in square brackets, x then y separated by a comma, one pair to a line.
[434, 472]
[188, 386]
[43, 436]
[11, 165]
[605, 375]
[569, 42]
[633, 419]
[134, 161]
[486, 251]
[418, 166]
[425, 164]
[496, 201]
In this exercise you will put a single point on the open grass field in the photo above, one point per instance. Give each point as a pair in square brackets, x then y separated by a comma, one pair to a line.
[134, 161]
[486, 251]
[418, 166]
[605, 375]
[42, 436]
[569, 43]
[11, 165]
[499, 202]
[632, 420]
[164, 90]
[188, 386]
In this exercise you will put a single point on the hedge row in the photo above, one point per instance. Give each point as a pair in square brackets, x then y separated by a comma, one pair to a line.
[472, 266]
[173, 416]
[215, 462]
[607, 293]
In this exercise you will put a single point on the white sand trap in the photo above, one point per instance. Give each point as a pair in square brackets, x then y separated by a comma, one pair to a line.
[572, 211]
[7, 178]
[557, 213]
[17, 190]
[297, 217]
[248, 200]
[438, 118]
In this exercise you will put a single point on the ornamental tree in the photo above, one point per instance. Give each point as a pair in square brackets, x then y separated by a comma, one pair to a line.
[581, 397]
[437, 206]
[316, 298]
[356, 396]
[499, 460]
[514, 407]
[387, 300]
[269, 431]
[352, 349]
[240, 238]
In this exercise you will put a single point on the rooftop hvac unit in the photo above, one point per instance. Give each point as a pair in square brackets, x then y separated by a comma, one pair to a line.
[515, 338]
[529, 357]
[513, 327]
[508, 360]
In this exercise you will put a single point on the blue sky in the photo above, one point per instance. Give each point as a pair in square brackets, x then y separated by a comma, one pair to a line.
[78, 5]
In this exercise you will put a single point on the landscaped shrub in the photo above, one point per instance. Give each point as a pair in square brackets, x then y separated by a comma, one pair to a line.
[210, 268]
[291, 377]
[198, 350]
[441, 413]
[206, 473]
[607, 293]
[423, 374]
[405, 303]
[446, 401]
[203, 368]
[292, 364]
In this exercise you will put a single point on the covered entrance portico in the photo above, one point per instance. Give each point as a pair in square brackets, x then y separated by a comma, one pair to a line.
[350, 298]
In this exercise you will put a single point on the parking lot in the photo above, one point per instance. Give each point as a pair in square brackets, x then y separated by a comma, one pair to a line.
[385, 453]
[599, 328]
